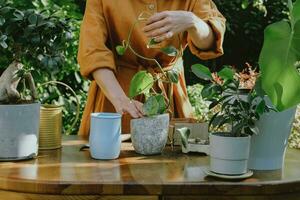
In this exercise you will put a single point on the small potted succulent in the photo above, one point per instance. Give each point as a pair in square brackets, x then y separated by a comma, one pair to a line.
[241, 108]
[30, 43]
[149, 134]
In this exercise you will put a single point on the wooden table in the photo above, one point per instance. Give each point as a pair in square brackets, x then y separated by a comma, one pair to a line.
[68, 173]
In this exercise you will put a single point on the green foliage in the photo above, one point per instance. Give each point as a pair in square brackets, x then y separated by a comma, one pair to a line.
[239, 108]
[280, 78]
[244, 33]
[69, 69]
[200, 106]
[141, 83]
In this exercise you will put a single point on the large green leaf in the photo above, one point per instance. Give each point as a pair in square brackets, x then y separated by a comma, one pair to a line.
[184, 135]
[202, 72]
[280, 52]
[151, 106]
[141, 83]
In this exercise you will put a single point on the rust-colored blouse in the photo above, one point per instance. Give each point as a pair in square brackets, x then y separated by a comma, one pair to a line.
[106, 24]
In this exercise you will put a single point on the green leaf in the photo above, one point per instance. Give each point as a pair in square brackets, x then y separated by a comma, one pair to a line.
[202, 72]
[152, 43]
[173, 76]
[184, 135]
[33, 19]
[226, 73]
[2, 21]
[151, 106]
[254, 129]
[260, 108]
[280, 78]
[245, 4]
[161, 103]
[120, 50]
[141, 83]
[170, 51]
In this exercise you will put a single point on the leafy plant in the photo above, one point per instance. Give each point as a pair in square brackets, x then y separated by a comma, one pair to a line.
[240, 107]
[279, 75]
[36, 39]
[143, 82]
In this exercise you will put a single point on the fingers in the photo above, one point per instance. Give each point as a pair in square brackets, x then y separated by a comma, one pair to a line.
[166, 36]
[139, 107]
[157, 17]
[158, 32]
[134, 108]
[155, 25]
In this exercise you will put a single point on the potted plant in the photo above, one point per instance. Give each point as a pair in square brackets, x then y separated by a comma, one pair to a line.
[33, 42]
[149, 134]
[280, 80]
[241, 107]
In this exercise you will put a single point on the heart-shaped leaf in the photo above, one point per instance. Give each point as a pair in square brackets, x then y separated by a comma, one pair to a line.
[120, 50]
[280, 52]
[170, 51]
[141, 83]
[151, 106]
[161, 103]
[152, 43]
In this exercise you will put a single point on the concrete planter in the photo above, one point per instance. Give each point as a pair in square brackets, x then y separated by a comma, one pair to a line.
[149, 134]
[19, 128]
[229, 155]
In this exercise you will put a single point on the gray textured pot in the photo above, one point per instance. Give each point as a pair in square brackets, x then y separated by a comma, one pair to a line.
[229, 155]
[149, 134]
[19, 128]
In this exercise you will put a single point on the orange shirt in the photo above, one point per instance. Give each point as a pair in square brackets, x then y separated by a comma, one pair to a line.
[106, 24]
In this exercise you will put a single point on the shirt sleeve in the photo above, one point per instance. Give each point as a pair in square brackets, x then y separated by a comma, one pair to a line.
[93, 52]
[207, 11]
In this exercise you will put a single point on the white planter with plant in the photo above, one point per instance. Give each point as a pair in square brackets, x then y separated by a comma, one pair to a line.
[28, 41]
[240, 108]
[280, 80]
[149, 134]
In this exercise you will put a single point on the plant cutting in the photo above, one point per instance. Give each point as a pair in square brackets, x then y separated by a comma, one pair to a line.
[240, 108]
[32, 42]
[280, 80]
[149, 134]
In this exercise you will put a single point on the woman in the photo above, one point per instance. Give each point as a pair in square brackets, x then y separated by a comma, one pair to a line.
[106, 24]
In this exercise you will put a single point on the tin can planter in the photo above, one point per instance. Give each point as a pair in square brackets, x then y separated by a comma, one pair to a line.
[149, 134]
[19, 131]
[50, 127]
[229, 155]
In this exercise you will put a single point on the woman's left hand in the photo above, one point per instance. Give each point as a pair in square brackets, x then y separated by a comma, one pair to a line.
[166, 24]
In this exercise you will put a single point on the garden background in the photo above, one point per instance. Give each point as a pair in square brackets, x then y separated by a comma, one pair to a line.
[246, 20]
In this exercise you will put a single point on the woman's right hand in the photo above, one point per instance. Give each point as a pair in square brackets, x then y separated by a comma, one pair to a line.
[107, 81]
[132, 107]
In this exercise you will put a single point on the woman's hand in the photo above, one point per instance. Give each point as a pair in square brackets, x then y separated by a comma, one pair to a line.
[132, 107]
[110, 86]
[165, 25]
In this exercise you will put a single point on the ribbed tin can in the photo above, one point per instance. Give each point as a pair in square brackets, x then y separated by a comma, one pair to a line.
[50, 127]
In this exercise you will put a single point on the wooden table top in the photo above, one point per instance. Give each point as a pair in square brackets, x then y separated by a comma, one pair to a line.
[70, 171]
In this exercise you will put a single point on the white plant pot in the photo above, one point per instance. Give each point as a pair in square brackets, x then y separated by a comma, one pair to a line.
[229, 155]
[19, 128]
[149, 134]
[268, 147]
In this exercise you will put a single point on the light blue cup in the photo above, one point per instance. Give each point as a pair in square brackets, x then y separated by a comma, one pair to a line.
[105, 135]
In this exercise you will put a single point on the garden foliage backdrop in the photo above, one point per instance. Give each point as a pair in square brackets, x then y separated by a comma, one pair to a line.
[246, 20]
